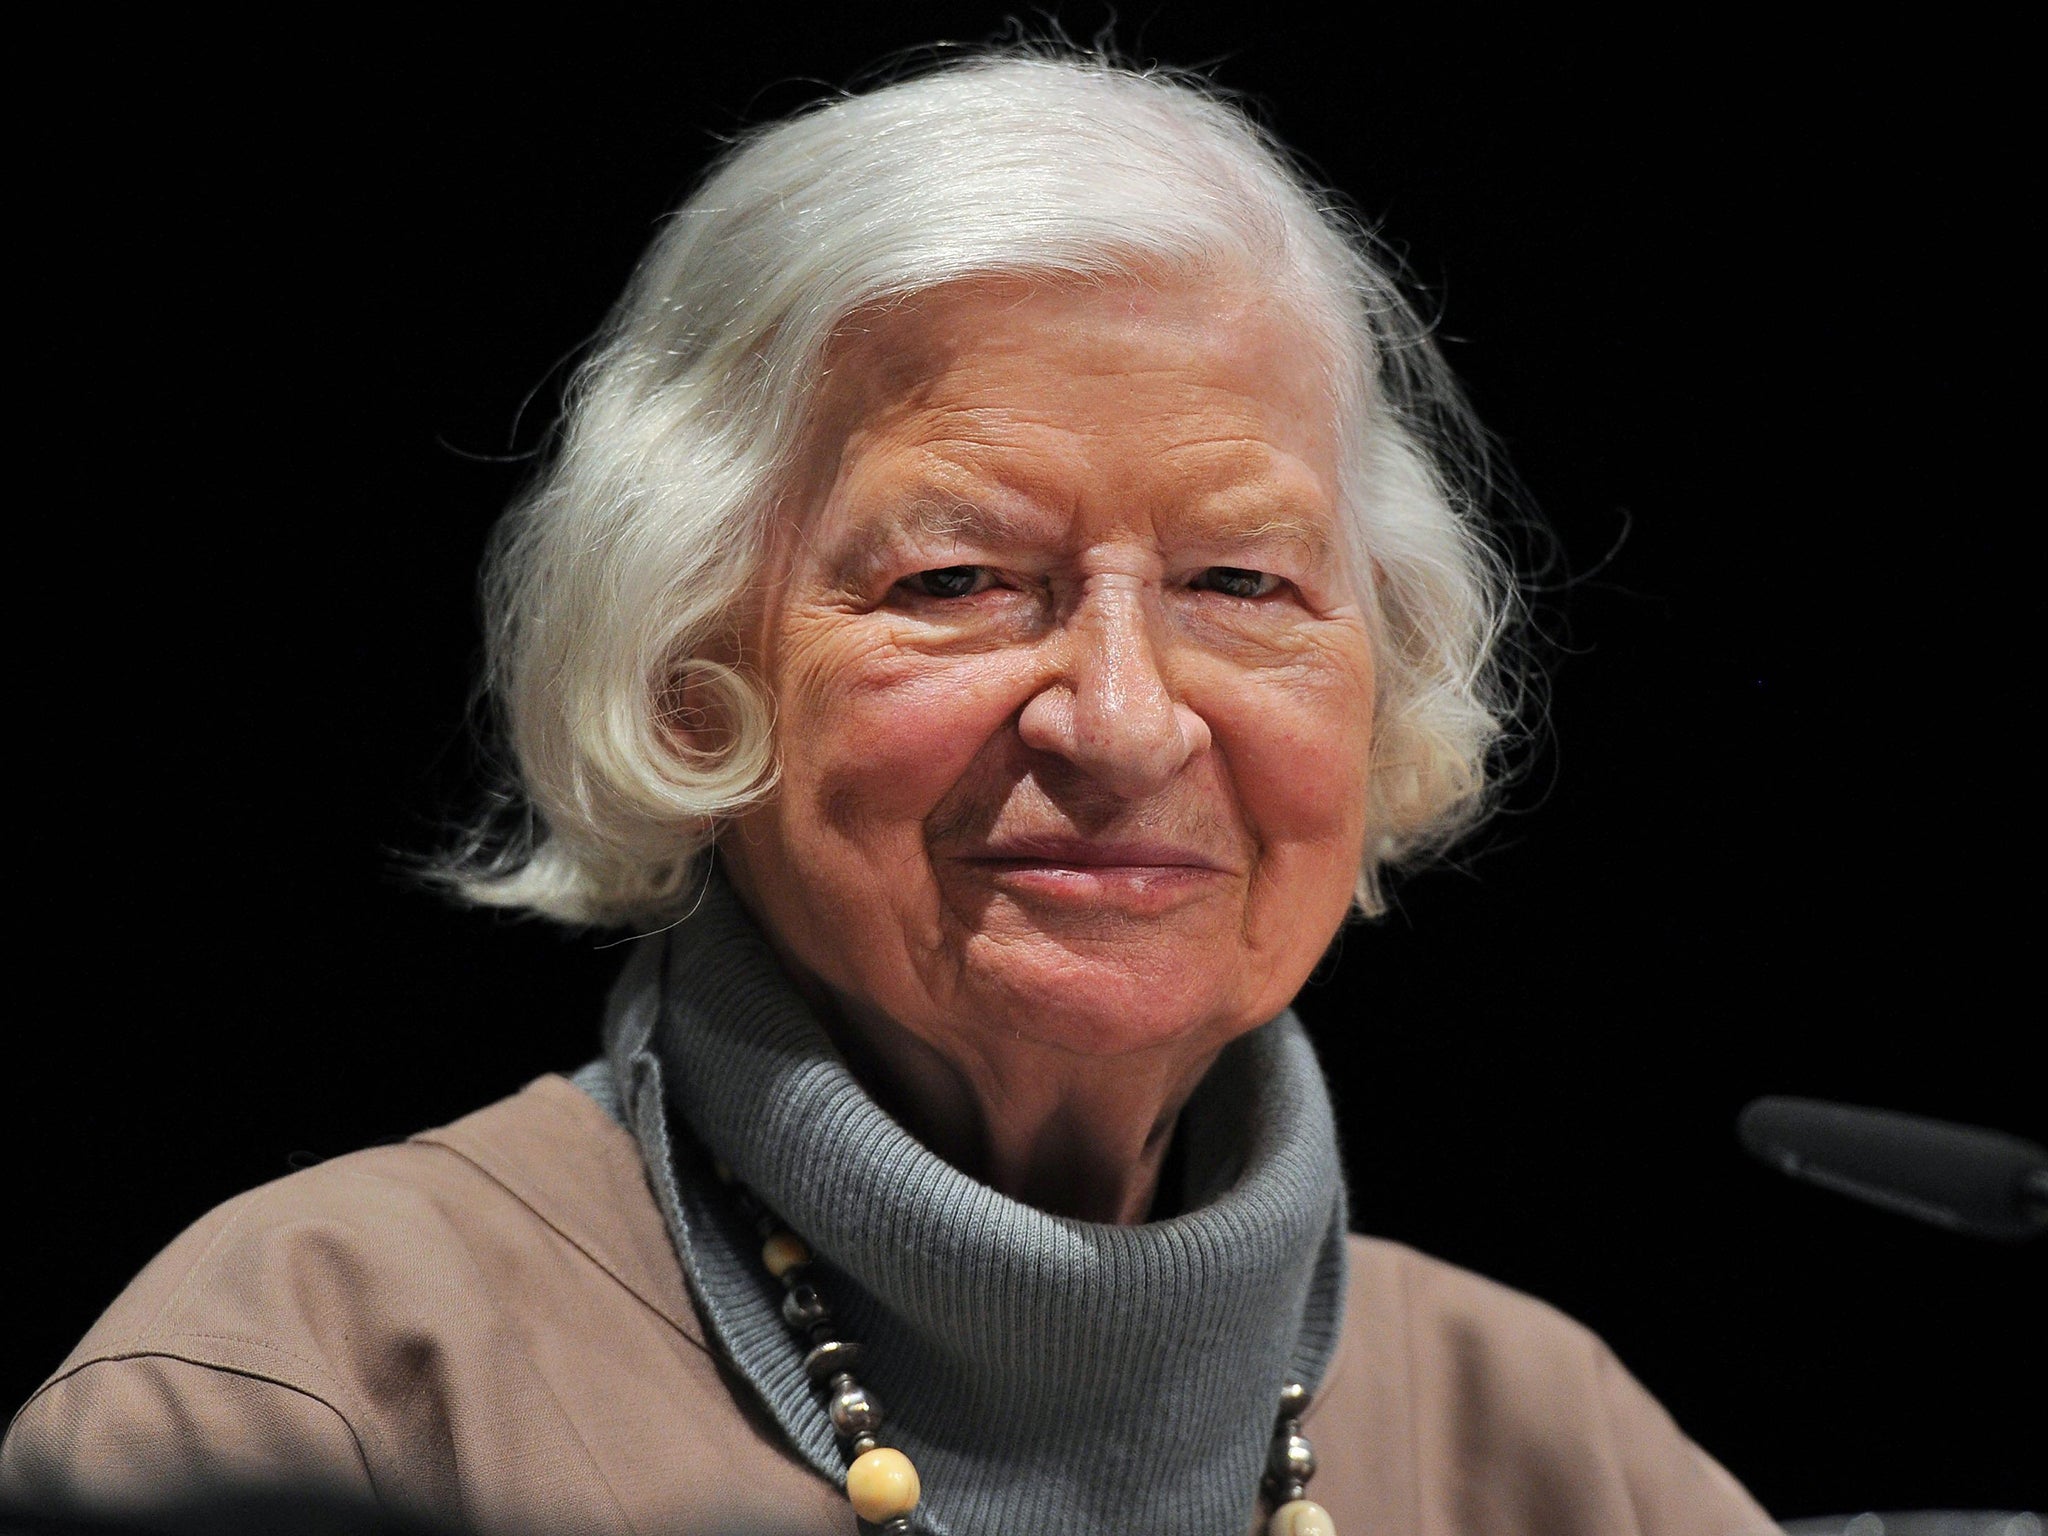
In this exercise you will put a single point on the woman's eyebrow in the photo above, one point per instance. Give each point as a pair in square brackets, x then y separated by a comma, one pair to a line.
[1312, 539]
[930, 515]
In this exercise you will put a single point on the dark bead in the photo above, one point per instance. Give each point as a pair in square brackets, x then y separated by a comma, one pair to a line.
[900, 1526]
[854, 1409]
[1293, 1459]
[830, 1358]
[1293, 1400]
[804, 1308]
[862, 1444]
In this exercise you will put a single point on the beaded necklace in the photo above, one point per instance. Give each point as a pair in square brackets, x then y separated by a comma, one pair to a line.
[881, 1483]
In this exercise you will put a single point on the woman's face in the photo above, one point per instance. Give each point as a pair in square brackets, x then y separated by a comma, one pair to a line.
[1073, 696]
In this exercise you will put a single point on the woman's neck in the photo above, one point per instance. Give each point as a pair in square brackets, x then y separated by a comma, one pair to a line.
[1068, 1133]
[1071, 1135]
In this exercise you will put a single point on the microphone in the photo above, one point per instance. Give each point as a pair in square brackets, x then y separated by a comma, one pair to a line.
[1985, 1183]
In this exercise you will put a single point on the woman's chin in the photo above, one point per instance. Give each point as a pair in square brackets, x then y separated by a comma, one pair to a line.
[1111, 1007]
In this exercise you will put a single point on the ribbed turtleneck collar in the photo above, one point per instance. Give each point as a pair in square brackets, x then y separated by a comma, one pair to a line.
[1044, 1374]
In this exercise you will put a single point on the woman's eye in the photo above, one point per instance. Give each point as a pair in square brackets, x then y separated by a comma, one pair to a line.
[1233, 581]
[950, 581]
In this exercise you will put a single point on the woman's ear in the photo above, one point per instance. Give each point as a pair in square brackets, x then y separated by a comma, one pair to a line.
[693, 712]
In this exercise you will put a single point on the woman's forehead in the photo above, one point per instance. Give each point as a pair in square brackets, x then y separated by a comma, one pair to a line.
[894, 352]
[991, 403]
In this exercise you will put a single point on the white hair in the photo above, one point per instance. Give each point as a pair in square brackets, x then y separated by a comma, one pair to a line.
[608, 580]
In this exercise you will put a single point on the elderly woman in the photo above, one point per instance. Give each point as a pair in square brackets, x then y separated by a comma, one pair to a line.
[1000, 600]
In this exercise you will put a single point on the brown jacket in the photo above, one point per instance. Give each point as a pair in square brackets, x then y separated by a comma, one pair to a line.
[489, 1321]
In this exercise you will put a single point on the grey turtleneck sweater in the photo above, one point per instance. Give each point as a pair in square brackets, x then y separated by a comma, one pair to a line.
[1044, 1374]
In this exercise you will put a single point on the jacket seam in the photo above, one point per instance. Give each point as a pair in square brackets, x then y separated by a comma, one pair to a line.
[589, 1250]
[170, 1337]
[143, 1330]
[117, 1357]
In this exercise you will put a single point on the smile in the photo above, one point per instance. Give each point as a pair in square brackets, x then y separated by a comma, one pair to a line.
[1140, 878]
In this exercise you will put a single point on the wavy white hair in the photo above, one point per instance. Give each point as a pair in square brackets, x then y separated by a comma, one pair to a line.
[607, 580]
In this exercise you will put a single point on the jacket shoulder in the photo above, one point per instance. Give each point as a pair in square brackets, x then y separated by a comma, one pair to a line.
[1487, 1326]
[414, 1303]
[404, 1221]
[237, 1286]
[1502, 1413]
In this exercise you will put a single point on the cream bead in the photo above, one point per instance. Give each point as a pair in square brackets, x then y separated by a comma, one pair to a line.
[1301, 1517]
[881, 1485]
[783, 1252]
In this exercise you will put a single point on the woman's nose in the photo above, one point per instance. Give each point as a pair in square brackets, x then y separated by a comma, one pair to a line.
[1109, 708]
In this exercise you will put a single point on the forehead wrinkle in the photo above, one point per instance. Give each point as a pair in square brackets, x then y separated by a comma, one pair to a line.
[1275, 498]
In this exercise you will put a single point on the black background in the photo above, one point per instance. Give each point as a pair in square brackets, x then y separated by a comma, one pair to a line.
[1754, 315]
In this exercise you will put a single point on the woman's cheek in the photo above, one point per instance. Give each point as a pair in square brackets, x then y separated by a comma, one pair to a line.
[1297, 739]
[897, 730]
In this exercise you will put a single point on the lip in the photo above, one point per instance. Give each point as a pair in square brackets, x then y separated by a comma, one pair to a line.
[1087, 878]
[1093, 854]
